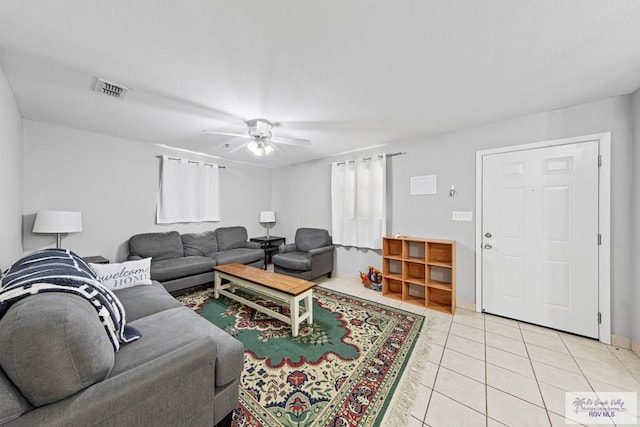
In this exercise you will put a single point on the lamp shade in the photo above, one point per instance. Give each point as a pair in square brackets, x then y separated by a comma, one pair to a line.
[267, 216]
[57, 222]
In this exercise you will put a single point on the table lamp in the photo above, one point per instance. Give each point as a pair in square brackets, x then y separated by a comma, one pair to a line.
[268, 217]
[57, 222]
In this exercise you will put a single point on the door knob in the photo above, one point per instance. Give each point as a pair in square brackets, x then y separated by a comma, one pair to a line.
[487, 246]
[488, 235]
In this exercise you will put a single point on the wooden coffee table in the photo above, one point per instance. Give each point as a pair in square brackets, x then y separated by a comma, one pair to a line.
[287, 289]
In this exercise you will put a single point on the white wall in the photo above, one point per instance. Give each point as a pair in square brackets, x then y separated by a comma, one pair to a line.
[114, 183]
[301, 193]
[11, 182]
[635, 226]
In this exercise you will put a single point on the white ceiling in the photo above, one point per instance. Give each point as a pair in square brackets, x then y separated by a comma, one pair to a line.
[345, 74]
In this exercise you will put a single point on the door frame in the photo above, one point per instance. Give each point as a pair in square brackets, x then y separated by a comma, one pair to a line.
[604, 220]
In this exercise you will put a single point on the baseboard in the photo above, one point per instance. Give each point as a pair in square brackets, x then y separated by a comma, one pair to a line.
[471, 306]
[635, 347]
[621, 342]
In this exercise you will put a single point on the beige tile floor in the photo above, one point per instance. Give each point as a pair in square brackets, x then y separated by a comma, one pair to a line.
[485, 370]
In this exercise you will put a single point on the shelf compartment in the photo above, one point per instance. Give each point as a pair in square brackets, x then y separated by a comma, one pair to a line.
[391, 286]
[439, 299]
[413, 292]
[393, 248]
[443, 308]
[415, 250]
[411, 299]
[396, 296]
[413, 271]
[391, 266]
[437, 273]
[439, 253]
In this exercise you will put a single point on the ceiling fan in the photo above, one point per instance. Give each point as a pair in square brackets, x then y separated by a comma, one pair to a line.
[261, 141]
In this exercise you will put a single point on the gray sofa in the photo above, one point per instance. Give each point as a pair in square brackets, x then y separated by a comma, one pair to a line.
[184, 261]
[310, 256]
[64, 371]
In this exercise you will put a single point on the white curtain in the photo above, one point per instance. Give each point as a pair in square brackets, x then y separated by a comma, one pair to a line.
[358, 202]
[189, 191]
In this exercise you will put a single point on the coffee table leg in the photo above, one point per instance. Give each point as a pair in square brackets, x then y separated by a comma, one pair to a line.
[216, 285]
[294, 308]
[308, 305]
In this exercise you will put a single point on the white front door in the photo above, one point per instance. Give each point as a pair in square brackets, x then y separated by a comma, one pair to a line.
[540, 236]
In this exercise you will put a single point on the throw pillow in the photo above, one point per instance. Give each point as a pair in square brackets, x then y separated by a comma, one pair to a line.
[124, 275]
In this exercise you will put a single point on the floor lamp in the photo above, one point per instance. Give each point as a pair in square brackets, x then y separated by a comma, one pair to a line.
[57, 222]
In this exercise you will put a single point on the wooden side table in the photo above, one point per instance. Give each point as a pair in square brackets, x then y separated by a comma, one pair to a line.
[270, 245]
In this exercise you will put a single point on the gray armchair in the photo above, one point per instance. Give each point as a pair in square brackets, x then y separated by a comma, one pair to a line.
[309, 257]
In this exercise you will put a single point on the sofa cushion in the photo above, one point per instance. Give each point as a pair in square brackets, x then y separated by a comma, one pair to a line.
[156, 245]
[311, 238]
[12, 403]
[200, 244]
[231, 237]
[300, 261]
[53, 345]
[241, 255]
[168, 330]
[124, 275]
[175, 268]
[141, 301]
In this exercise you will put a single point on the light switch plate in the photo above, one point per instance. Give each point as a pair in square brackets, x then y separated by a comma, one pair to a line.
[462, 216]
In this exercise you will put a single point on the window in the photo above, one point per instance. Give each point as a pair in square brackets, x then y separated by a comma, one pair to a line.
[358, 202]
[189, 191]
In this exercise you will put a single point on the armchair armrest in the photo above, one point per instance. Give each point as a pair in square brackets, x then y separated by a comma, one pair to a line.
[253, 245]
[133, 257]
[289, 247]
[318, 251]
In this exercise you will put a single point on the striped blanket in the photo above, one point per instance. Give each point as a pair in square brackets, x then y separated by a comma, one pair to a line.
[60, 270]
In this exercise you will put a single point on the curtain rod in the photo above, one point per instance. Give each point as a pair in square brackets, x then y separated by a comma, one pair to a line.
[192, 161]
[369, 158]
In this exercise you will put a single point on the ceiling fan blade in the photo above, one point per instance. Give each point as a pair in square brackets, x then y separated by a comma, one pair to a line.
[289, 141]
[239, 147]
[239, 135]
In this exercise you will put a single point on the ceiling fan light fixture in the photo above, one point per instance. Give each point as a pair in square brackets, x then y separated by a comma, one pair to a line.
[255, 148]
[260, 148]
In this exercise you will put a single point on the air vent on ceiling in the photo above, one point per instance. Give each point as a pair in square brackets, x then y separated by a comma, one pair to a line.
[111, 89]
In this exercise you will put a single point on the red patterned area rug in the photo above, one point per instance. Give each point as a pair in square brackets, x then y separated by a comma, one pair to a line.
[340, 371]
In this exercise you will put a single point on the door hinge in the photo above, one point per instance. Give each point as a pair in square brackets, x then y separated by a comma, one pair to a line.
[599, 318]
[599, 160]
[599, 239]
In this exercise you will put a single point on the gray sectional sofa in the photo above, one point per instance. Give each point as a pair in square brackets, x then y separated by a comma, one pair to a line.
[184, 261]
[183, 371]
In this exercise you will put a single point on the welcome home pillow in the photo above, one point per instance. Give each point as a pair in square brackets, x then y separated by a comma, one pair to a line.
[124, 275]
